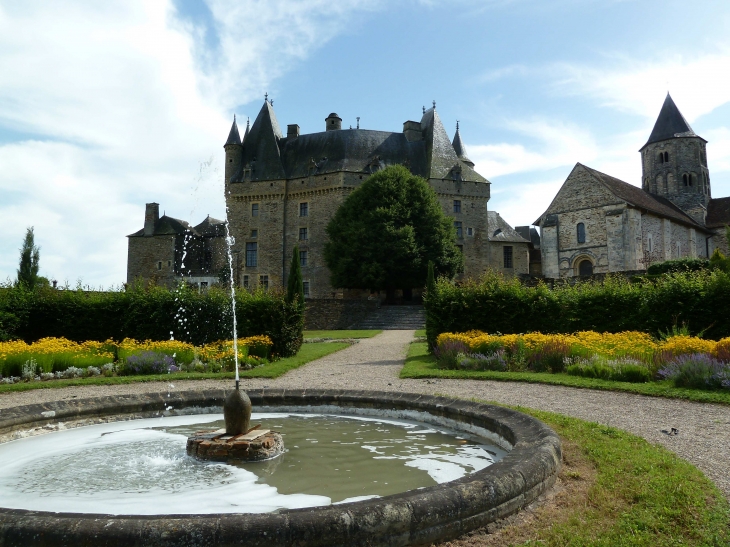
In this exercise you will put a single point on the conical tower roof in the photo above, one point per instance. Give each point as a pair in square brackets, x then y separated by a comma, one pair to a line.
[248, 128]
[459, 147]
[233, 136]
[669, 124]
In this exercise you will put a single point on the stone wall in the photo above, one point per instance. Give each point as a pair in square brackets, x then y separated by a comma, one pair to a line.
[329, 314]
[151, 259]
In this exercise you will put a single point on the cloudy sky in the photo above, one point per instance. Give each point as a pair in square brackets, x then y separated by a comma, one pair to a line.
[105, 106]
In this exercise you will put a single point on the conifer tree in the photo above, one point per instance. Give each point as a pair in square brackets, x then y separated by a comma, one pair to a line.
[295, 286]
[29, 257]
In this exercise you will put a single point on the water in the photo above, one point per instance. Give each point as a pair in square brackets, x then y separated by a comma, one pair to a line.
[140, 467]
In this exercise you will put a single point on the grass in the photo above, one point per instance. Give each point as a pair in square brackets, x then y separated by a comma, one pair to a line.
[421, 364]
[308, 352]
[420, 332]
[337, 334]
[633, 494]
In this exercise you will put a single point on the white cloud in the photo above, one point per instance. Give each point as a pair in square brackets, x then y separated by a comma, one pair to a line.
[698, 85]
[125, 108]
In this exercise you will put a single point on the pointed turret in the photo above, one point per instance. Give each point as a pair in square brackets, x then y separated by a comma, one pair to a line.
[233, 136]
[248, 124]
[669, 124]
[460, 149]
[261, 155]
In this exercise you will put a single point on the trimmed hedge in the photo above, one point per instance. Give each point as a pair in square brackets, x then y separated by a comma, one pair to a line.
[699, 299]
[153, 313]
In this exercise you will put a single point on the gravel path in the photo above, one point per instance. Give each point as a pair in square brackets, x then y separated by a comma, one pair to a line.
[374, 364]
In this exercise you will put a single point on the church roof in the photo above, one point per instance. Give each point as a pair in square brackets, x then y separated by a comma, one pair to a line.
[270, 156]
[718, 213]
[669, 124]
[233, 136]
[636, 197]
[459, 147]
[499, 230]
[167, 226]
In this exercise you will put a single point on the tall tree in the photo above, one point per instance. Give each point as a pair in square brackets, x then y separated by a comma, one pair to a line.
[295, 286]
[386, 232]
[29, 257]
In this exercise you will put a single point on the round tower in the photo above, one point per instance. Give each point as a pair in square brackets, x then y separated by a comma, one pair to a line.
[674, 163]
[334, 122]
[234, 152]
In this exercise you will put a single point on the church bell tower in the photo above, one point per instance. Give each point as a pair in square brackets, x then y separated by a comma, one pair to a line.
[674, 163]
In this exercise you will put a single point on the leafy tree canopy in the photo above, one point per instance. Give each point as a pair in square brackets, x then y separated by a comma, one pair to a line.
[386, 232]
[29, 258]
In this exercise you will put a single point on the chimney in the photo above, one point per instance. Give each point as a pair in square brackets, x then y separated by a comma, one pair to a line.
[334, 122]
[292, 131]
[151, 216]
[412, 131]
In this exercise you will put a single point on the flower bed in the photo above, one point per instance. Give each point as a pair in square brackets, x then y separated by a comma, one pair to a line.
[627, 356]
[51, 358]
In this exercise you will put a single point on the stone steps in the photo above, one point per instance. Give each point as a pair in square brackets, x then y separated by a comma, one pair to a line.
[409, 317]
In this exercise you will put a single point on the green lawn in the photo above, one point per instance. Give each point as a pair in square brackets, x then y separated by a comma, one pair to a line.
[337, 334]
[420, 332]
[634, 494]
[420, 364]
[308, 352]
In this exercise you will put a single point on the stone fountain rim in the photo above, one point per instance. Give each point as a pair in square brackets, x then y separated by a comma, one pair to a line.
[436, 513]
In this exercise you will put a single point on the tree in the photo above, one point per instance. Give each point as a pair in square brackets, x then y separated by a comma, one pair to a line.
[295, 286]
[386, 232]
[29, 257]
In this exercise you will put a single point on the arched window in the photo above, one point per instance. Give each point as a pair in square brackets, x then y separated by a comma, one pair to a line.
[581, 232]
[685, 179]
[585, 267]
[650, 243]
[666, 157]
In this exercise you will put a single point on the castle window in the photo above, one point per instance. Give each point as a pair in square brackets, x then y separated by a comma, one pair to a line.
[302, 258]
[264, 282]
[245, 282]
[507, 256]
[303, 234]
[252, 252]
[169, 263]
[159, 265]
[581, 232]
[305, 286]
[650, 243]
[666, 157]
[254, 209]
[585, 268]
[459, 229]
[470, 231]
[304, 209]
[254, 233]
[678, 249]
[661, 157]
[457, 206]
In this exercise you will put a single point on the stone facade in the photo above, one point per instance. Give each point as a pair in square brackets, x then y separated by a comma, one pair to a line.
[282, 191]
[167, 250]
[598, 224]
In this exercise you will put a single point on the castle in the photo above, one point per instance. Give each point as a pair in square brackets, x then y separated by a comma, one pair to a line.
[281, 191]
[599, 224]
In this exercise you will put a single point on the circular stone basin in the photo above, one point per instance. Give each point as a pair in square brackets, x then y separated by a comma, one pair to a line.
[438, 510]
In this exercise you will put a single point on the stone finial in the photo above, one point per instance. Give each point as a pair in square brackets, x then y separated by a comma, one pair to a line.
[434, 105]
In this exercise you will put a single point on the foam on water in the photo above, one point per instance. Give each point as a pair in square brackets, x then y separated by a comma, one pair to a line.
[141, 467]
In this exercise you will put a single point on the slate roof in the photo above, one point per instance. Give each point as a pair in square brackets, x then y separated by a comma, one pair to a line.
[636, 197]
[718, 213]
[459, 147]
[529, 233]
[500, 231]
[233, 136]
[271, 156]
[211, 227]
[167, 226]
[669, 124]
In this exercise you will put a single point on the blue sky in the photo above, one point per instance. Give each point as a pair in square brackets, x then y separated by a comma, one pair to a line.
[105, 106]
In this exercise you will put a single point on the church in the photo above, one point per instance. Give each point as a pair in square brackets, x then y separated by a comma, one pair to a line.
[598, 224]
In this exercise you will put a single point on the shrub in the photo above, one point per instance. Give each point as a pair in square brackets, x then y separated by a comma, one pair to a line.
[479, 361]
[699, 370]
[550, 357]
[147, 362]
[70, 372]
[679, 265]
[623, 369]
[722, 350]
[447, 353]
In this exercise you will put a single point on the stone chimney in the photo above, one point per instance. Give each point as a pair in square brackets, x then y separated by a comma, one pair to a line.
[412, 131]
[151, 216]
[292, 131]
[334, 122]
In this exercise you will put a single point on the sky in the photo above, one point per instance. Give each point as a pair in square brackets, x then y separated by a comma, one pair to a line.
[105, 106]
